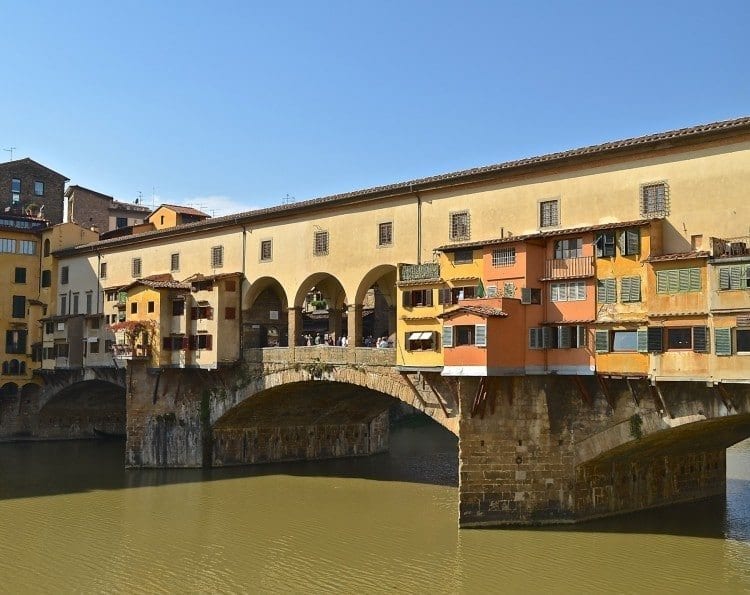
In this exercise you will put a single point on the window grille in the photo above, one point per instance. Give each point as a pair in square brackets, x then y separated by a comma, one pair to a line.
[266, 250]
[549, 213]
[655, 200]
[174, 262]
[503, 257]
[320, 243]
[460, 226]
[217, 257]
[385, 234]
[64, 275]
[135, 267]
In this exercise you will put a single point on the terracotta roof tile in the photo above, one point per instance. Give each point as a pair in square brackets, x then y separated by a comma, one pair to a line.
[679, 256]
[483, 311]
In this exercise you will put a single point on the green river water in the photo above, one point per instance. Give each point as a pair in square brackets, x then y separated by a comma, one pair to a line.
[73, 520]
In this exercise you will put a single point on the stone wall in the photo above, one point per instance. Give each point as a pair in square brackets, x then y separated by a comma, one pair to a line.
[29, 172]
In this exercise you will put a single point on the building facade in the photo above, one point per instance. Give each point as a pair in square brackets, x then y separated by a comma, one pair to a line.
[29, 188]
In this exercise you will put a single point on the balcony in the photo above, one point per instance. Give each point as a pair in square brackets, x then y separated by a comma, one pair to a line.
[730, 247]
[125, 352]
[417, 272]
[569, 268]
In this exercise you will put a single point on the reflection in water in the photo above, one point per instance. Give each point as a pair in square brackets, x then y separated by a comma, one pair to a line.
[73, 519]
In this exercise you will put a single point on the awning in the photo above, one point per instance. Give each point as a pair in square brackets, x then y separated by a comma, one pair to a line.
[420, 336]
[93, 339]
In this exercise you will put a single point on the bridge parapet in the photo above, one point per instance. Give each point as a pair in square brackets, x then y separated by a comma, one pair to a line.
[323, 354]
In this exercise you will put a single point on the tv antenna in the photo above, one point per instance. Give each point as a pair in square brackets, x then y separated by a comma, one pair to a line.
[286, 200]
[139, 198]
[10, 150]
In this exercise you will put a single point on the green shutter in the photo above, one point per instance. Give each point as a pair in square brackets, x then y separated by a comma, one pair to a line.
[723, 341]
[611, 285]
[700, 339]
[622, 242]
[683, 283]
[480, 335]
[563, 337]
[724, 282]
[662, 282]
[533, 338]
[655, 340]
[673, 280]
[735, 274]
[546, 337]
[642, 336]
[633, 241]
[635, 289]
[625, 289]
[602, 341]
[695, 279]
[447, 336]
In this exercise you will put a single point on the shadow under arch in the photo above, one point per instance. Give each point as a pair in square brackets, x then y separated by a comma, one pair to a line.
[320, 306]
[375, 302]
[265, 318]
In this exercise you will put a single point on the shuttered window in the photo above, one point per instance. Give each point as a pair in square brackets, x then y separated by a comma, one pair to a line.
[447, 336]
[700, 339]
[678, 280]
[571, 291]
[535, 338]
[655, 339]
[605, 243]
[630, 289]
[606, 291]
[480, 335]
[642, 339]
[602, 341]
[723, 341]
[630, 242]
[734, 277]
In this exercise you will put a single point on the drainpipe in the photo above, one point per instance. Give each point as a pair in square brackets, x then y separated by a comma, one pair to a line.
[419, 224]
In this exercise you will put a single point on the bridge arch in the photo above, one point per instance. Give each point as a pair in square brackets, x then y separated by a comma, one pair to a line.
[265, 314]
[375, 305]
[320, 306]
[386, 383]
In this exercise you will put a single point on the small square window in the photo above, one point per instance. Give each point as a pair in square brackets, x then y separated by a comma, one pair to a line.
[463, 257]
[655, 200]
[503, 257]
[38, 188]
[174, 262]
[266, 250]
[20, 275]
[549, 213]
[151, 307]
[459, 226]
[15, 190]
[217, 257]
[320, 245]
[64, 275]
[46, 278]
[103, 270]
[385, 234]
[230, 313]
[134, 308]
[121, 222]
[680, 338]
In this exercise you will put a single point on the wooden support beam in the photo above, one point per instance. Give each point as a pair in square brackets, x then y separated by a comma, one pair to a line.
[405, 375]
[605, 390]
[585, 396]
[725, 396]
[659, 398]
[633, 393]
[426, 378]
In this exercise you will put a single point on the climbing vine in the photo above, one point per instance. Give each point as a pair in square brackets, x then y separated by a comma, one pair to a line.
[636, 426]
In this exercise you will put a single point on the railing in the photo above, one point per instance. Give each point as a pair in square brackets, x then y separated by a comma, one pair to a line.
[728, 247]
[323, 354]
[128, 352]
[569, 268]
[414, 272]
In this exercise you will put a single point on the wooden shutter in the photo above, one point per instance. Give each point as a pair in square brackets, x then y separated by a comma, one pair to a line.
[735, 274]
[695, 279]
[723, 341]
[428, 297]
[447, 336]
[564, 336]
[632, 241]
[611, 286]
[655, 340]
[546, 337]
[581, 332]
[534, 337]
[194, 313]
[662, 282]
[193, 342]
[700, 339]
[480, 335]
[525, 295]
[406, 299]
[209, 342]
[642, 339]
[166, 343]
[724, 282]
[602, 341]
[683, 282]
[185, 343]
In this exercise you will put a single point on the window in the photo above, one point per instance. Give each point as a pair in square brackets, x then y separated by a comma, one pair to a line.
[531, 295]
[63, 305]
[509, 289]
[385, 234]
[417, 297]
[150, 307]
[680, 338]
[655, 200]
[103, 270]
[62, 349]
[49, 328]
[27, 247]
[266, 250]
[178, 307]
[89, 302]
[566, 337]
[606, 292]
[420, 341]
[459, 226]
[15, 341]
[230, 313]
[46, 278]
[202, 312]
[8, 246]
[201, 342]
[76, 297]
[678, 280]
[549, 213]
[624, 340]
[734, 277]
[630, 242]
[571, 248]
[217, 257]
[605, 244]
[723, 341]
[320, 243]
[175, 343]
[38, 188]
[230, 285]
[572, 291]
[161, 220]
[451, 295]
[46, 247]
[503, 257]
[135, 267]
[15, 190]
[20, 275]
[463, 334]
[174, 262]
[134, 308]
[463, 257]
[121, 222]
[19, 306]
[743, 340]
[630, 289]
[94, 324]
[93, 347]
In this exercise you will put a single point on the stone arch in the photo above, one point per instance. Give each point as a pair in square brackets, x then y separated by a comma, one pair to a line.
[321, 306]
[375, 304]
[9, 389]
[389, 384]
[265, 314]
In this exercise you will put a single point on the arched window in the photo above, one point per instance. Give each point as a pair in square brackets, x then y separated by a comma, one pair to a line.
[46, 247]
[14, 367]
[5, 367]
[22, 368]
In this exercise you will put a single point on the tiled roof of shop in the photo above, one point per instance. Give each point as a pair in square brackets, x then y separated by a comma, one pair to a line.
[679, 256]
[479, 310]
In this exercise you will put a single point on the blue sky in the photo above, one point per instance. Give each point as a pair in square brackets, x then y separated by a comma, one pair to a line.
[232, 105]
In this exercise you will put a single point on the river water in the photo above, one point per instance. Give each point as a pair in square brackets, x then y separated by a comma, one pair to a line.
[72, 519]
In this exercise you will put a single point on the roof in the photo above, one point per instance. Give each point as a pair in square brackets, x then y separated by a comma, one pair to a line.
[679, 256]
[182, 210]
[163, 281]
[128, 206]
[29, 161]
[483, 311]
[545, 234]
[621, 148]
[217, 277]
[418, 282]
[73, 187]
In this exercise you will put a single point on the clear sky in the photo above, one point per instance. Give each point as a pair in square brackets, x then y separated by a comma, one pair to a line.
[232, 105]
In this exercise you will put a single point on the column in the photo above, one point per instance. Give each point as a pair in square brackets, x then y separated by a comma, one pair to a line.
[354, 322]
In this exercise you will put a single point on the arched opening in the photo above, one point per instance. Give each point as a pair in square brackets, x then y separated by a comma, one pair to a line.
[317, 420]
[322, 306]
[376, 307]
[46, 247]
[8, 390]
[265, 318]
[6, 367]
[88, 409]
[14, 367]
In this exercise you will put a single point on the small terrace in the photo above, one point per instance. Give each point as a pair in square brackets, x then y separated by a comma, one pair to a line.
[730, 247]
[569, 268]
